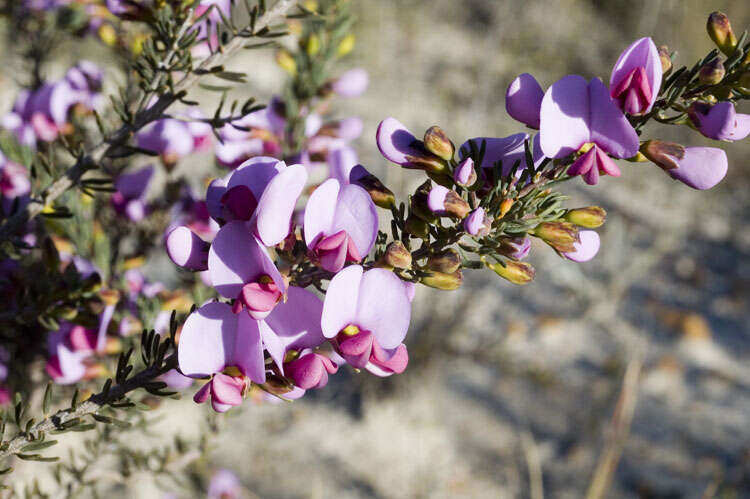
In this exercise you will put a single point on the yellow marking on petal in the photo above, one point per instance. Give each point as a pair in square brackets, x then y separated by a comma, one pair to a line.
[232, 371]
[350, 330]
[586, 147]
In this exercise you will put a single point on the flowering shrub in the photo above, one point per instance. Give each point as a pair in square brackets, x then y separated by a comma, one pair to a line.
[295, 260]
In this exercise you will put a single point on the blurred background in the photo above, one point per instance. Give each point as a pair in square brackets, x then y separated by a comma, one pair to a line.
[522, 391]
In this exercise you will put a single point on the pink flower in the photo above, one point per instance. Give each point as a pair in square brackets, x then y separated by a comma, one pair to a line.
[230, 346]
[720, 121]
[580, 116]
[340, 223]
[129, 198]
[352, 83]
[636, 77]
[366, 315]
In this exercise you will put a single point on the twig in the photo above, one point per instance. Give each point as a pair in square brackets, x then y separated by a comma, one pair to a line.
[90, 406]
[534, 464]
[619, 431]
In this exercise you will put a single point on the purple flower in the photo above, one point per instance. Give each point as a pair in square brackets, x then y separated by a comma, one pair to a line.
[701, 167]
[720, 121]
[352, 83]
[186, 249]
[636, 77]
[366, 315]
[129, 198]
[465, 174]
[516, 248]
[230, 346]
[580, 116]
[586, 247]
[263, 191]
[240, 267]
[340, 223]
[310, 370]
[257, 134]
[523, 100]
[170, 138]
[398, 145]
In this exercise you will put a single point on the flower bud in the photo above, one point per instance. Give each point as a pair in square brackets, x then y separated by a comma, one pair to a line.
[720, 31]
[313, 45]
[110, 296]
[516, 248]
[443, 280]
[92, 283]
[438, 143]
[397, 256]
[416, 227]
[446, 262]
[663, 154]
[560, 235]
[465, 174]
[666, 59]
[456, 206]
[276, 385]
[285, 60]
[515, 272]
[346, 45]
[419, 203]
[380, 194]
[712, 73]
[505, 206]
[590, 217]
[478, 223]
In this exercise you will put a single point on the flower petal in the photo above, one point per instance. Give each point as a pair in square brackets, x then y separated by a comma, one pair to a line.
[236, 258]
[276, 205]
[643, 53]
[586, 248]
[523, 100]
[320, 211]
[610, 129]
[357, 215]
[256, 173]
[383, 307]
[186, 249]
[248, 349]
[701, 167]
[396, 142]
[297, 321]
[340, 305]
[565, 117]
[207, 340]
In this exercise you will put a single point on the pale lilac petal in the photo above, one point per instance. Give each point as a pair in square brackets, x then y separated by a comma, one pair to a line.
[643, 53]
[297, 322]
[701, 167]
[207, 340]
[236, 258]
[277, 203]
[565, 117]
[352, 83]
[350, 128]
[610, 129]
[225, 391]
[395, 142]
[231, 153]
[186, 249]
[247, 353]
[175, 380]
[507, 150]
[523, 100]
[742, 127]
[383, 307]
[320, 210]
[216, 190]
[357, 215]
[341, 161]
[586, 248]
[256, 173]
[340, 305]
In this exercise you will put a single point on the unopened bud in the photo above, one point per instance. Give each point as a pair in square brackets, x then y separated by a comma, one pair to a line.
[666, 59]
[516, 248]
[277, 385]
[313, 45]
[712, 73]
[505, 206]
[417, 227]
[397, 256]
[346, 45]
[380, 194]
[285, 60]
[426, 161]
[443, 280]
[663, 154]
[720, 30]
[465, 174]
[590, 217]
[455, 205]
[447, 262]
[515, 272]
[560, 235]
[438, 143]
[113, 345]
[419, 204]
[92, 283]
